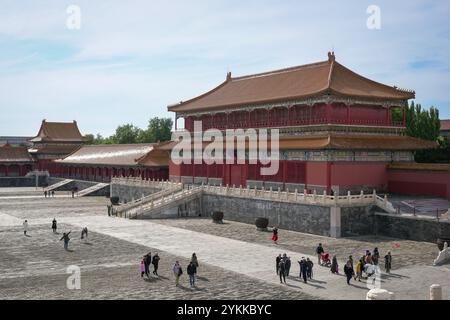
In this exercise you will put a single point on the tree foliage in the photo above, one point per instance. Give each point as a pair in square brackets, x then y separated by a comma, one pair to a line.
[422, 123]
[158, 129]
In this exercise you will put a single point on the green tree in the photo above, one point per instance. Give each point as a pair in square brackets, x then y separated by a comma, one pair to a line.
[126, 134]
[421, 123]
[158, 129]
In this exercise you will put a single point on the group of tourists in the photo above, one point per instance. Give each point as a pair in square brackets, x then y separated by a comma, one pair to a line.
[148, 260]
[177, 269]
[49, 194]
[367, 263]
[65, 237]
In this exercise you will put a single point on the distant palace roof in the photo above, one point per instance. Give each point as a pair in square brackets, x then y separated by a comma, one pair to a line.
[110, 155]
[59, 132]
[10, 154]
[445, 125]
[326, 77]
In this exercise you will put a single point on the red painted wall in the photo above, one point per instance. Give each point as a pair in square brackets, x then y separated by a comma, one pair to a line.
[419, 182]
[316, 173]
[359, 174]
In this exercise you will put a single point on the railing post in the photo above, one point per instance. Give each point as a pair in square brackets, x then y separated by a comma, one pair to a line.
[270, 193]
[279, 193]
[349, 194]
[315, 195]
[324, 196]
[305, 192]
[296, 194]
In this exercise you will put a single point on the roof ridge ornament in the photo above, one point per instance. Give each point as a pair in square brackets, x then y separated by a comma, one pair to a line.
[228, 75]
[331, 56]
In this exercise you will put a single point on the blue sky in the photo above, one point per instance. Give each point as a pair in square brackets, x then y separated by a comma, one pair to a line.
[131, 59]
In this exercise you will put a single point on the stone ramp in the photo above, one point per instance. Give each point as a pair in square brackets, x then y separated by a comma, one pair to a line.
[93, 189]
[58, 185]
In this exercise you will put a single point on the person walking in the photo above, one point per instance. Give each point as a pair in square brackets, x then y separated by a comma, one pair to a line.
[142, 268]
[368, 258]
[155, 262]
[359, 269]
[350, 258]
[66, 239]
[303, 270]
[277, 263]
[309, 266]
[375, 256]
[84, 233]
[54, 226]
[45, 193]
[192, 271]
[147, 262]
[334, 266]
[388, 262]
[282, 271]
[177, 271]
[348, 270]
[25, 227]
[319, 251]
[194, 260]
[275, 235]
[53, 193]
[287, 264]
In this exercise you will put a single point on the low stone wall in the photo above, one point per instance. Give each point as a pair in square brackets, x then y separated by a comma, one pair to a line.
[128, 193]
[357, 221]
[297, 217]
[21, 182]
[411, 228]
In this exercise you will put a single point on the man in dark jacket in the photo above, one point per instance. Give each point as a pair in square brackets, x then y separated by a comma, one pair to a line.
[192, 271]
[319, 252]
[155, 263]
[147, 262]
[309, 268]
[303, 270]
[277, 263]
[287, 264]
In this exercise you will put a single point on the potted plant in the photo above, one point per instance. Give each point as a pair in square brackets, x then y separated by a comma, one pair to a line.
[262, 224]
[217, 217]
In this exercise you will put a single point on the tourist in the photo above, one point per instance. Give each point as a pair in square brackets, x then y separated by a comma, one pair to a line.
[350, 258]
[388, 262]
[277, 263]
[194, 259]
[84, 233]
[282, 271]
[319, 251]
[148, 261]
[309, 266]
[54, 225]
[375, 256]
[368, 258]
[303, 269]
[155, 262]
[334, 266]
[45, 193]
[53, 193]
[177, 271]
[25, 227]
[348, 270]
[359, 269]
[142, 268]
[287, 264]
[66, 239]
[275, 235]
[192, 271]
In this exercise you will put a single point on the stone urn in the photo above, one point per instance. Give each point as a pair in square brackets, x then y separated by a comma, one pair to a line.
[217, 217]
[114, 201]
[262, 224]
[440, 242]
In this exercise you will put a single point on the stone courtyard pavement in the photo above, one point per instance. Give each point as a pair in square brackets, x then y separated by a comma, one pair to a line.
[236, 261]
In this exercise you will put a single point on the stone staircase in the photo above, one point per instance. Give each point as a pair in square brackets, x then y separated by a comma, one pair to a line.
[58, 185]
[162, 201]
[90, 190]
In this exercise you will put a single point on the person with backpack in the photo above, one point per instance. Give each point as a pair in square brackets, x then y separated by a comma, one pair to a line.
[54, 226]
[319, 251]
[66, 239]
[177, 271]
[155, 262]
[192, 271]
